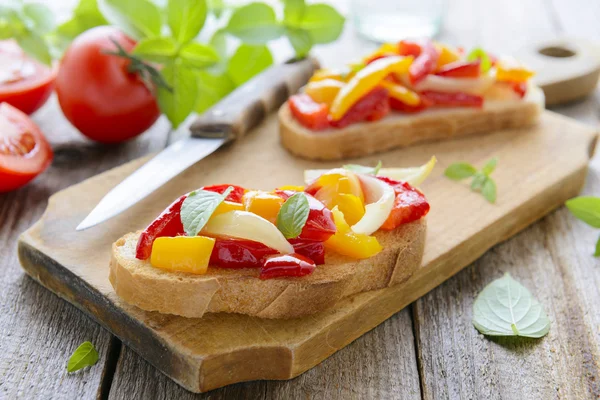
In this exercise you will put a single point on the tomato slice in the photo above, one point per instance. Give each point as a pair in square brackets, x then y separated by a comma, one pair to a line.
[373, 106]
[286, 265]
[307, 248]
[425, 63]
[308, 112]
[236, 194]
[24, 151]
[410, 204]
[239, 253]
[461, 69]
[24, 82]
[319, 226]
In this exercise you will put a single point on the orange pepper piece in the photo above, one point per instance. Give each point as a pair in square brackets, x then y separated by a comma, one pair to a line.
[509, 70]
[349, 243]
[227, 206]
[446, 55]
[264, 204]
[324, 91]
[182, 253]
[401, 93]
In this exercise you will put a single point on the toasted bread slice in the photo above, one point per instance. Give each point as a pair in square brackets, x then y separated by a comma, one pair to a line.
[241, 291]
[400, 130]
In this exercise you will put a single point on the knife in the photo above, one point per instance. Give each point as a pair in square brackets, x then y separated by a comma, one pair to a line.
[226, 121]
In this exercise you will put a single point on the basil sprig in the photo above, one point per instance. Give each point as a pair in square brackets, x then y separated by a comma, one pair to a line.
[85, 355]
[482, 181]
[507, 308]
[361, 169]
[480, 54]
[293, 215]
[587, 209]
[198, 207]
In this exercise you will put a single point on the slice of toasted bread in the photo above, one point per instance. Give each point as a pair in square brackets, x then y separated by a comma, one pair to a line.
[241, 291]
[400, 130]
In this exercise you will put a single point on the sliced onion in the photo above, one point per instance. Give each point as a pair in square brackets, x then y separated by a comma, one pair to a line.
[415, 175]
[455, 85]
[250, 226]
[379, 200]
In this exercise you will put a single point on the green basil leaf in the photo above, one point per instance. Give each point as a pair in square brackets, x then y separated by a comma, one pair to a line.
[254, 23]
[85, 16]
[216, 7]
[85, 355]
[293, 215]
[178, 103]
[198, 207]
[506, 308]
[488, 190]
[198, 55]
[293, 11]
[361, 169]
[34, 45]
[41, 17]
[247, 61]
[158, 49]
[323, 23]
[218, 41]
[480, 54]
[460, 170]
[586, 208]
[490, 166]
[300, 41]
[137, 18]
[597, 252]
[186, 18]
[212, 88]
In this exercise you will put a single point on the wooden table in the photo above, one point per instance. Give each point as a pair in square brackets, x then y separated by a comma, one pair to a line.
[429, 350]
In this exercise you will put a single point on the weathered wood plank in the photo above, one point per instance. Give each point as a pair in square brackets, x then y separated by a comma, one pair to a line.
[39, 331]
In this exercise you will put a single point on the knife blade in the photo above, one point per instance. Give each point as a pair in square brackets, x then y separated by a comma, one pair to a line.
[226, 121]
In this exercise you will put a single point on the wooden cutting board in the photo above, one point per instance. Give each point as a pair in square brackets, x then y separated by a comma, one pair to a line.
[538, 169]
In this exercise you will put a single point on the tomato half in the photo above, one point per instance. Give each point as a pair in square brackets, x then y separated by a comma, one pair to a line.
[98, 94]
[24, 151]
[24, 82]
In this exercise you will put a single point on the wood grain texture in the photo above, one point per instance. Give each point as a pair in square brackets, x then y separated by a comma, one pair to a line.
[39, 331]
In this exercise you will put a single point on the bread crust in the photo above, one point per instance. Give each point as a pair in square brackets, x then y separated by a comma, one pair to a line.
[401, 130]
[240, 290]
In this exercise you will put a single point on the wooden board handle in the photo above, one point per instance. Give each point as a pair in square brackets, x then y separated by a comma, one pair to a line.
[249, 104]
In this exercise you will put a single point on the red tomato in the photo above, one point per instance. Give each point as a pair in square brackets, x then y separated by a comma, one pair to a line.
[397, 105]
[236, 194]
[409, 48]
[373, 106]
[461, 69]
[520, 88]
[424, 63]
[286, 265]
[24, 83]
[410, 204]
[319, 226]
[308, 248]
[238, 253]
[98, 94]
[168, 223]
[308, 112]
[24, 151]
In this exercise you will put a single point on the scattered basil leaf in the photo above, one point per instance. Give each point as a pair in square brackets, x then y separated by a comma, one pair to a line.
[216, 7]
[213, 87]
[300, 41]
[179, 102]
[490, 166]
[489, 190]
[597, 252]
[157, 49]
[36, 46]
[586, 208]
[254, 23]
[361, 169]
[478, 181]
[85, 355]
[40, 16]
[137, 18]
[186, 18]
[323, 23]
[85, 16]
[198, 207]
[248, 61]
[198, 55]
[460, 170]
[293, 215]
[480, 54]
[293, 11]
[506, 308]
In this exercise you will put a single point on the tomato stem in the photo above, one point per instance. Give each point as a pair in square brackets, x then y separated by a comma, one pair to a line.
[148, 73]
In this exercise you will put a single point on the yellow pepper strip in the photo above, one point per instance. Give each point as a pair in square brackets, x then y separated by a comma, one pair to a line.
[510, 70]
[227, 206]
[366, 80]
[447, 55]
[342, 75]
[386, 49]
[351, 206]
[348, 243]
[292, 187]
[324, 91]
[265, 204]
[401, 93]
[182, 253]
[350, 185]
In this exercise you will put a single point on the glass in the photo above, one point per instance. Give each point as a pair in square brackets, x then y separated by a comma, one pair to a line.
[392, 20]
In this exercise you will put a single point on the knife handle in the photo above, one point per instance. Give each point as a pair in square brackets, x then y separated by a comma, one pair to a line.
[248, 105]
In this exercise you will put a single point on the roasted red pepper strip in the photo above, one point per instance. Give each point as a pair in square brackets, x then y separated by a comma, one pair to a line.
[309, 113]
[286, 265]
[461, 69]
[425, 63]
[319, 226]
[520, 88]
[409, 48]
[452, 99]
[236, 194]
[410, 204]
[308, 248]
[373, 106]
[168, 223]
[238, 253]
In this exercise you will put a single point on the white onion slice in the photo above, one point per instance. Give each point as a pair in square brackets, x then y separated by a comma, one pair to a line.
[456, 85]
[379, 200]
